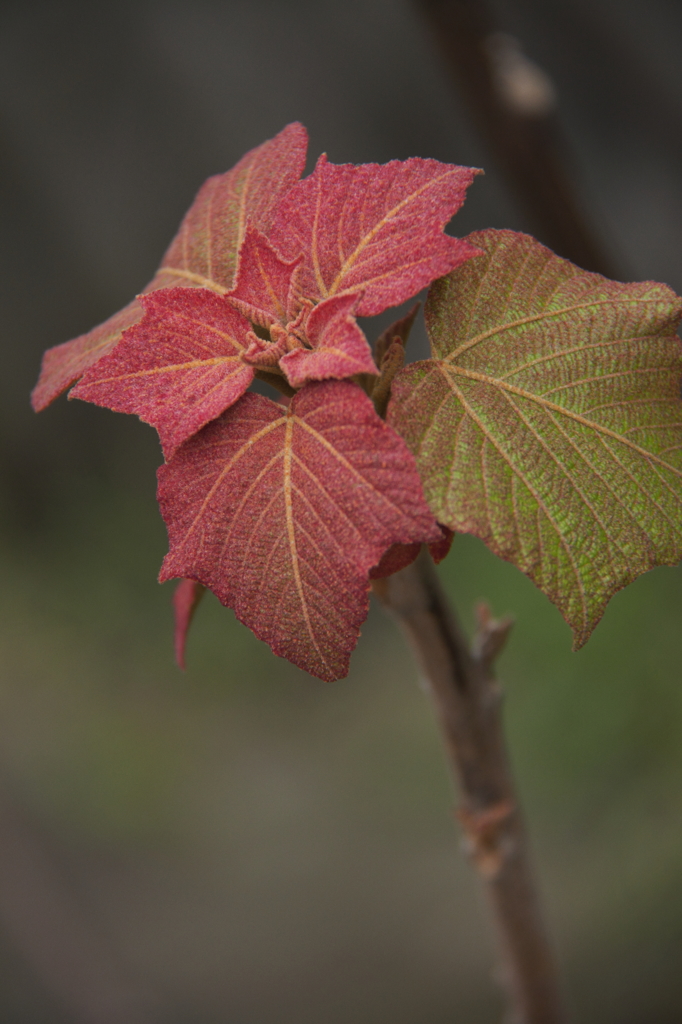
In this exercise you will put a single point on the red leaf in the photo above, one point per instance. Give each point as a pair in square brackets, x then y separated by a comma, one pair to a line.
[177, 369]
[441, 548]
[340, 349]
[203, 254]
[401, 555]
[63, 364]
[215, 225]
[264, 280]
[186, 598]
[373, 228]
[282, 513]
[396, 558]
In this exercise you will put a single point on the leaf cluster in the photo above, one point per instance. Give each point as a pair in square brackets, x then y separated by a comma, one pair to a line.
[548, 421]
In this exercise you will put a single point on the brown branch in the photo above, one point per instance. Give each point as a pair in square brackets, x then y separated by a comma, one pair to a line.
[468, 704]
[513, 104]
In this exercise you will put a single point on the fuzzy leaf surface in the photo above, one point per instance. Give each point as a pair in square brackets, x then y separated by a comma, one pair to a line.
[178, 368]
[214, 227]
[339, 347]
[203, 254]
[283, 512]
[400, 329]
[373, 228]
[549, 422]
[263, 284]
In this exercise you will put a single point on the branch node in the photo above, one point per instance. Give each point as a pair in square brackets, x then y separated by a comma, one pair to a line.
[490, 637]
[467, 701]
[486, 840]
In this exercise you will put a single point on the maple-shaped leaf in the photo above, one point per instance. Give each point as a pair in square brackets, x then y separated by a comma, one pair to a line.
[186, 598]
[373, 228]
[549, 422]
[203, 254]
[283, 512]
[178, 368]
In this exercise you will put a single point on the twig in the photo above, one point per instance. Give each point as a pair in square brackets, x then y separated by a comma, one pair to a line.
[468, 704]
[513, 102]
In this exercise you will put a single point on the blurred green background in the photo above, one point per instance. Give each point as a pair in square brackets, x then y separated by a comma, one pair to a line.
[241, 843]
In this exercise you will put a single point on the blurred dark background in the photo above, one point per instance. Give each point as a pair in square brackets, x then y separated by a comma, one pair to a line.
[243, 844]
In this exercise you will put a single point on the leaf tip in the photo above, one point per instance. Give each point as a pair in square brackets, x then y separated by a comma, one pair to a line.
[580, 638]
[186, 598]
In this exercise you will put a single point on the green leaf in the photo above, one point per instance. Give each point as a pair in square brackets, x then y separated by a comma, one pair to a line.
[549, 422]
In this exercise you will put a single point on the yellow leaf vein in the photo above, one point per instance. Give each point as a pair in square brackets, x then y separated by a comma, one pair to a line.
[570, 351]
[291, 533]
[545, 315]
[229, 465]
[365, 241]
[677, 527]
[569, 413]
[195, 364]
[579, 491]
[345, 463]
[599, 378]
[325, 492]
[481, 425]
[254, 527]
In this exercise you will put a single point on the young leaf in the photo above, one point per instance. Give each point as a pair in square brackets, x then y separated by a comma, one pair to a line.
[263, 283]
[178, 368]
[373, 228]
[186, 598]
[339, 348]
[549, 422]
[203, 254]
[214, 227]
[392, 361]
[400, 329]
[283, 512]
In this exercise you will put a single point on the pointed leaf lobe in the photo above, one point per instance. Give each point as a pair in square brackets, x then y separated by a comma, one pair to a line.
[374, 228]
[202, 255]
[179, 368]
[549, 422]
[283, 512]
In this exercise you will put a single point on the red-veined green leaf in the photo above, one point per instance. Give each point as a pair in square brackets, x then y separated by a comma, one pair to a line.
[549, 422]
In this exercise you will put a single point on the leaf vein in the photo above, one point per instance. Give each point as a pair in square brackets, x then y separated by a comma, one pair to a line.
[544, 315]
[544, 403]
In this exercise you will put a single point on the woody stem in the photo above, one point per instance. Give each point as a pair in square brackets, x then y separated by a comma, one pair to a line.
[467, 700]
